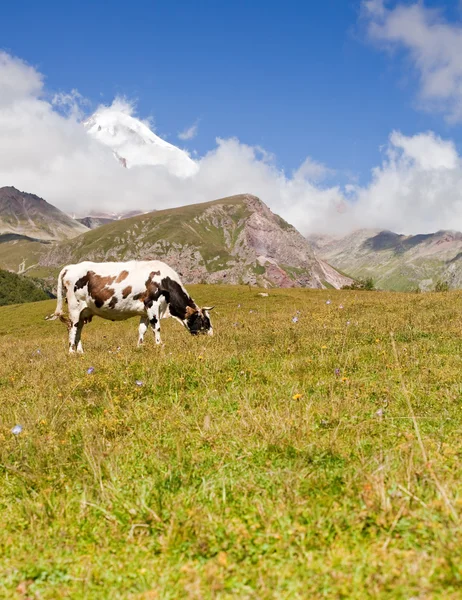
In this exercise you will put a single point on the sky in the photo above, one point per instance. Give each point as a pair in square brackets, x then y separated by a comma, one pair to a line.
[339, 114]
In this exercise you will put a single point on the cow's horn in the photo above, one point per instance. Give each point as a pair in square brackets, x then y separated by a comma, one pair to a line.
[208, 307]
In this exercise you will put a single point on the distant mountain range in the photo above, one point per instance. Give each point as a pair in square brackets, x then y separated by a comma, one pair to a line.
[395, 261]
[28, 215]
[231, 240]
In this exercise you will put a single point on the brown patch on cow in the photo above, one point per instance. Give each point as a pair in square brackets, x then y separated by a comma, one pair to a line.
[151, 292]
[126, 291]
[190, 311]
[113, 302]
[152, 274]
[122, 275]
[97, 287]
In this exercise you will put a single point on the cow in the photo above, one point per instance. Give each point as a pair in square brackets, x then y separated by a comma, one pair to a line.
[120, 290]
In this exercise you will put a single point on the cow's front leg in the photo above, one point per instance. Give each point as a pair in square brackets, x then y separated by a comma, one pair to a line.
[154, 319]
[78, 335]
[143, 326]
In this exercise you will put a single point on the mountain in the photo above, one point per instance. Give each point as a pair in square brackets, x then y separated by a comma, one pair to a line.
[27, 215]
[396, 261]
[94, 222]
[231, 240]
[134, 144]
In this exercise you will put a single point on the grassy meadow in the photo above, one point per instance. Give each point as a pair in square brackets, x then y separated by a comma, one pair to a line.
[311, 459]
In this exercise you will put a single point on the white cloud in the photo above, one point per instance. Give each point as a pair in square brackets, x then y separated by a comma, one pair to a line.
[190, 132]
[45, 150]
[434, 47]
[312, 170]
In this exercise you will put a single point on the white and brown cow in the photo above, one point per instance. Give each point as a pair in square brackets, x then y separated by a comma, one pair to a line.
[118, 291]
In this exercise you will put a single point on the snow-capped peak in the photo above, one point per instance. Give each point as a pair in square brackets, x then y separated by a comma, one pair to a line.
[133, 142]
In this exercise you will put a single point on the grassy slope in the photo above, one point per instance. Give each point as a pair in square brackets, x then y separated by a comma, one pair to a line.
[215, 479]
[13, 253]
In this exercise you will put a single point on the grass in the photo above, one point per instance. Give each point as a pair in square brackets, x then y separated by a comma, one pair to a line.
[274, 460]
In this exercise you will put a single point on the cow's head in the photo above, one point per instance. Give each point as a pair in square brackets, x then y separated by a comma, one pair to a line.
[198, 320]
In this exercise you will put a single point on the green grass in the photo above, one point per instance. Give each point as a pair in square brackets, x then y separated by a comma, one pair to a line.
[245, 465]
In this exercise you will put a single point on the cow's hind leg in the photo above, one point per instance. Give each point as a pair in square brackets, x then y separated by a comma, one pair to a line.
[77, 321]
[75, 330]
[143, 326]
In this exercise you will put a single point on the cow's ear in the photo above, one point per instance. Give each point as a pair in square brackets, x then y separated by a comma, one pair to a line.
[190, 311]
[208, 307]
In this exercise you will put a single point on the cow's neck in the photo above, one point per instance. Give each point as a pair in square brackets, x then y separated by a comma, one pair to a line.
[178, 298]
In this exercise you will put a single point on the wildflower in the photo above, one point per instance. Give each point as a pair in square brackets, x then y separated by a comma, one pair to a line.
[296, 396]
[344, 379]
[138, 382]
[328, 302]
[90, 370]
[323, 347]
[200, 357]
[38, 351]
[341, 306]
[239, 306]
[337, 372]
[294, 319]
[348, 322]
[17, 429]
[379, 413]
[229, 379]
[377, 341]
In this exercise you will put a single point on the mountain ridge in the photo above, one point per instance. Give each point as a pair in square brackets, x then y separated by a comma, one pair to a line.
[237, 239]
[395, 261]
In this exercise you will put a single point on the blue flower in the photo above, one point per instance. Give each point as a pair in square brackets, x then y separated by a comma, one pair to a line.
[90, 370]
[16, 429]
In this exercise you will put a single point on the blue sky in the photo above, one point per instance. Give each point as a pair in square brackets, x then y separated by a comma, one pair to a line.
[296, 77]
[372, 89]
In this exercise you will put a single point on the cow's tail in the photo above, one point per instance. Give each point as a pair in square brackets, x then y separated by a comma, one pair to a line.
[58, 314]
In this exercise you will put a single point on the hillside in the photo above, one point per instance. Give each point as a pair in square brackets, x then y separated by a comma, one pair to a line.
[30, 216]
[231, 240]
[394, 261]
[17, 289]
